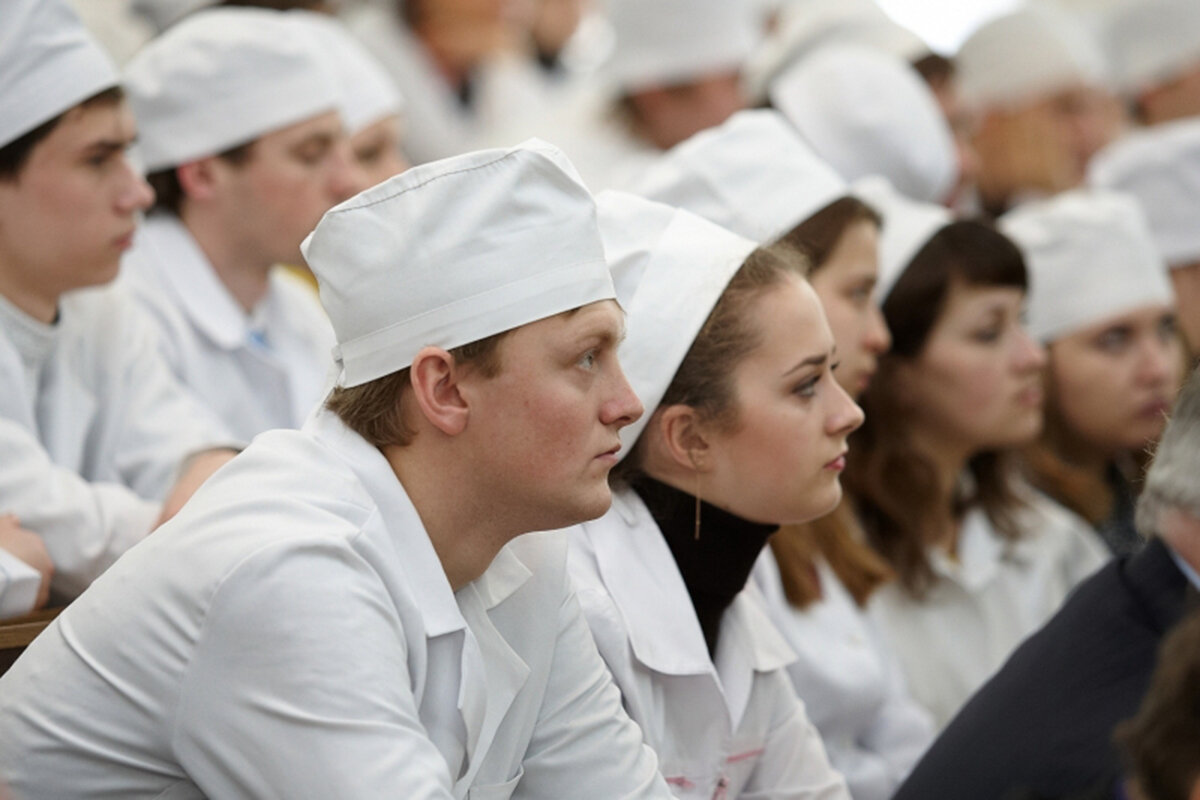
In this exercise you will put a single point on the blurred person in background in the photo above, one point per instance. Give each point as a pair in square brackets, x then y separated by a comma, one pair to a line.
[1102, 305]
[981, 560]
[1154, 46]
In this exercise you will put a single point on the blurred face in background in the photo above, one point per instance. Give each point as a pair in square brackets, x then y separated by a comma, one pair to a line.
[667, 115]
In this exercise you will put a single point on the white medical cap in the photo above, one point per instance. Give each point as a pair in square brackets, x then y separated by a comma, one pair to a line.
[366, 92]
[49, 64]
[869, 113]
[454, 251]
[1152, 41]
[670, 268]
[665, 42]
[1090, 258]
[1160, 166]
[907, 226]
[809, 25]
[222, 78]
[752, 174]
[1031, 52]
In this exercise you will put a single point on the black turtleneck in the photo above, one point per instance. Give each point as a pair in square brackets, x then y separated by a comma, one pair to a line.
[715, 567]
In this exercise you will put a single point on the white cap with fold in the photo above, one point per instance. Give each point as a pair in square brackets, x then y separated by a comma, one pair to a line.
[1090, 258]
[907, 225]
[49, 64]
[221, 78]
[1033, 51]
[1152, 41]
[454, 251]
[752, 174]
[869, 113]
[1160, 166]
[366, 92]
[666, 42]
[670, 268]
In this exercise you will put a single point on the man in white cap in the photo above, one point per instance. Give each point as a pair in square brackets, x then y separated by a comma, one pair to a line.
[240, 132]
[1036, 82]
[346, 610]
[1155, 50]
[675, 70]
[93, 428]
[1160, 166]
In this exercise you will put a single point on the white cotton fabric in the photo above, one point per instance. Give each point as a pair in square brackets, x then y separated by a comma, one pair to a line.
[1151, 41]
[869, 113]
[49, 63]
[808, 25]
[1032, 52]
[162, 14]
[670, 268]
[366, 93]
[907, 226]
[752, 174]
[222, 78]
[454, 251]
[1160, 166]
[19, 584]
[1090, 257]
[667, 42]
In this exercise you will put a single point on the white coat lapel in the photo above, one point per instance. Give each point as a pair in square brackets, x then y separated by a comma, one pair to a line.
[749, 644]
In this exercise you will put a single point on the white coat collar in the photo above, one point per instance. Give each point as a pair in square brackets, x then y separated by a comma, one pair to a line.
[177, 257]
[639, 572]
[981, 553]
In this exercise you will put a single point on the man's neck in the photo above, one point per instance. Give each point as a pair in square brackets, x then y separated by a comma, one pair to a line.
[243, 272]
[41, 306]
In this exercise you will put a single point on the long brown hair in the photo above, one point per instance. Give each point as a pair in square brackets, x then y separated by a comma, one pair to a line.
[836, 537]
[896, 488]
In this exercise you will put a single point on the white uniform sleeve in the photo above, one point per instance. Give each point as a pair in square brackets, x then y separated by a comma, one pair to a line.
[583, 736]
[300, 686]
[793, 764]
[19, 584]
[162, 422]
[85, 526]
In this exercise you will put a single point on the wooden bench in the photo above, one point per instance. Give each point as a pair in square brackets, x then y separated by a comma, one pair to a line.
[18, 632]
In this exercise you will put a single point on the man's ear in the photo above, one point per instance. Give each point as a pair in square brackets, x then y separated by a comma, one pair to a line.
[434, 377]
[683, 438]
[199, 178]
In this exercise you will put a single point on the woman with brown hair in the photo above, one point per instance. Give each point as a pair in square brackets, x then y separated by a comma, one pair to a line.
[745, 429]
[1104, 307]
[980, 559]
[815, 576]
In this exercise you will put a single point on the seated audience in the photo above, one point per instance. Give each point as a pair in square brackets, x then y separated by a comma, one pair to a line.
[1103, 306]
[1154, 47]
[347, 610]
[1044, 722]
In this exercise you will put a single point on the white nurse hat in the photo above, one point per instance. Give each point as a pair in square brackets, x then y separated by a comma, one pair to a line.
[454, 251]
[366, 92]
[665, 42]
[221, 78]
[907, 225]
[49, 63]
[1160, 166]
[670, 268]
[1151, 41]
[752, 174]
[869, 113]
[1030, 52]
[1090, 257]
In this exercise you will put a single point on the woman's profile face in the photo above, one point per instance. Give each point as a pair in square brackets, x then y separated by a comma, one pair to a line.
[976, 384]
[780, 463]
[845, 284]
[1113, 383]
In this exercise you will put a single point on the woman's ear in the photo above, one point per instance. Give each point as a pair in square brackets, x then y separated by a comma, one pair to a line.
[434, 377]
[684, 438]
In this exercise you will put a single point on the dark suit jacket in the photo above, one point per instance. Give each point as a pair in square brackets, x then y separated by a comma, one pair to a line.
[1044, 722]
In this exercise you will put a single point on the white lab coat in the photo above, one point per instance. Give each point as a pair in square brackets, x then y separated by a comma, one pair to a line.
[19, 584]
[259, 371]
[982, 605]
[730, 729]
[436, 123]
[854, 691]
[93, 429]
[291, 633]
